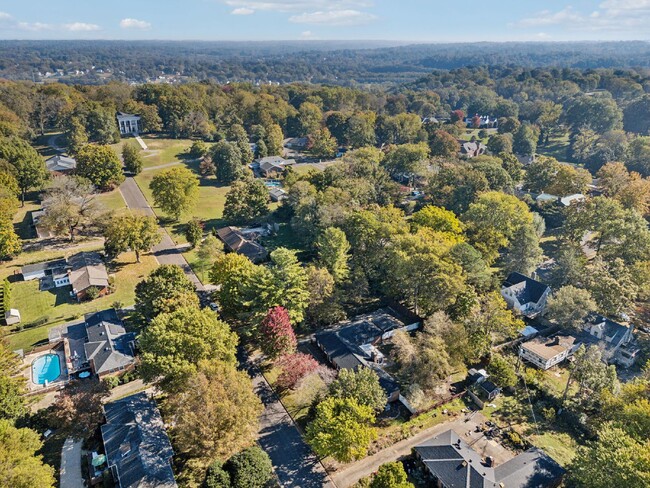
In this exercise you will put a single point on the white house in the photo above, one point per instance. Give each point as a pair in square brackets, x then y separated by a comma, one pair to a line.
[128, 123]
[547, 352]
[525, 295]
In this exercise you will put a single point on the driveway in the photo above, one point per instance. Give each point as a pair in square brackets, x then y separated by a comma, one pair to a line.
[294, 462]
[71, 464]
[166, 252]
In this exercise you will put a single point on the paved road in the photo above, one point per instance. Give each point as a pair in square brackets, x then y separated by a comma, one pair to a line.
[166, 252]
[71, 464]
[294, 463]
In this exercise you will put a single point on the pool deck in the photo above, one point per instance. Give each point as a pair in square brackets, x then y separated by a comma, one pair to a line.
[26, 370]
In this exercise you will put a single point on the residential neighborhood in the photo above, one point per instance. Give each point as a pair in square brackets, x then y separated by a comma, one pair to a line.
[432, 279]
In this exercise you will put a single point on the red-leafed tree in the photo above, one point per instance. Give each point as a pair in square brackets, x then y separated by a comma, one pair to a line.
[457, 115]
[476, 122]
[276, 334]
[294, 368]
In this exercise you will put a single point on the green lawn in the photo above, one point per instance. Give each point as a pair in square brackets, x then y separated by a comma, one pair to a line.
[159, 150]
[111, 200]
[557, 147]
[209, 207]
[51, 308]
[469, 133]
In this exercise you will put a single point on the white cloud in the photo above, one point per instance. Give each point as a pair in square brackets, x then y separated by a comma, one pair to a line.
[333, 17]
[81, 27]
[293, 6]
[623, 16]
[134, 24]
[34, 26]
[243, 11]
[5, 16]
[306, 34]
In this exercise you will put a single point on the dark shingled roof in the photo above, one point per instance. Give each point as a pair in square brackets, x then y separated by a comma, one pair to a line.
[237, 242]
[137, 447]
[44, 266]
[452, 461]
[337, 351]
[527, 289]
[109, 346]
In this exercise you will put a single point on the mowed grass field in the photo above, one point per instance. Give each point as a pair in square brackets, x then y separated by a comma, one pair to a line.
[159, 150]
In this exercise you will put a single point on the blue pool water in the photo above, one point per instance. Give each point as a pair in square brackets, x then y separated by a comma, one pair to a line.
[273, 183]
[46, 368]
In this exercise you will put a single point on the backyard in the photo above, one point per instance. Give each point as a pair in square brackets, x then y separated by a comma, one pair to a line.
[160, 150]
[42, 310]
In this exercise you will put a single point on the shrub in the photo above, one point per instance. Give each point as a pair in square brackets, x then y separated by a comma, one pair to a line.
[112, 382]
[217, 477]
[250, 468]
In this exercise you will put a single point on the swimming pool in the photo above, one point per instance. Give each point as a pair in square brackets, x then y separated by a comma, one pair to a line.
[273, 183]
[46, 368]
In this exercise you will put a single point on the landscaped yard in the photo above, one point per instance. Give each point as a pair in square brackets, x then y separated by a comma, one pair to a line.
[160, 150]
[50, 308]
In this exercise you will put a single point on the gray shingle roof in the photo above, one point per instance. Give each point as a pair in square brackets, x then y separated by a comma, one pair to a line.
[136, 444]
[109, 346]
[452, 461]
[87, 269]
[60, 163]
[527, 290]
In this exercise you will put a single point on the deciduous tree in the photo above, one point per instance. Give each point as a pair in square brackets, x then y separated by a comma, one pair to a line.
[250, 468]
[20, 466]
[277, 337]
[175, 190]
[246, 201]
[391, 475]
[100, 165]
[361, 385]
[342, 429]
[28, 167]
[132, 158]
[173, 344]
[138, 233]
[78, 408]
[294, 367]
[333, 252]
[156, 294]
[569, 306]
[216, 413]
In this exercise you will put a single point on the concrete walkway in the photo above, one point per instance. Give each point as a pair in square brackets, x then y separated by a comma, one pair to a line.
[166, 252]
[71, 464]
[141, 142]
[350, 474]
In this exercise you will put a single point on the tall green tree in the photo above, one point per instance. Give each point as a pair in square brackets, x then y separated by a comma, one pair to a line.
[250, 468]
[361, 385]
[138, 233]
[391, 475]
[132, 158]
[158, 292]
[10, 244]
[342, 429]
[227, 159]
[28, 167]
[627, 461]
[173, 344]
[246, 201]
[569, 306]
[20, 466]
[333, 252]
[175, 190]
[100, 165]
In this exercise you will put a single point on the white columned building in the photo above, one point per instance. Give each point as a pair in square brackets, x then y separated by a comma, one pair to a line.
[128, 123]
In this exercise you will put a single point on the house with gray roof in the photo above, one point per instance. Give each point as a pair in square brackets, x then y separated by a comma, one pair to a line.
[525, 295]
[236, 241]
[352, 344]
[108, 347]
[452, 463]
[61, 164]
[138, 451]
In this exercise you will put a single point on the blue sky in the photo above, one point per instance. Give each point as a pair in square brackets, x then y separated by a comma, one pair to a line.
[404, 20]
